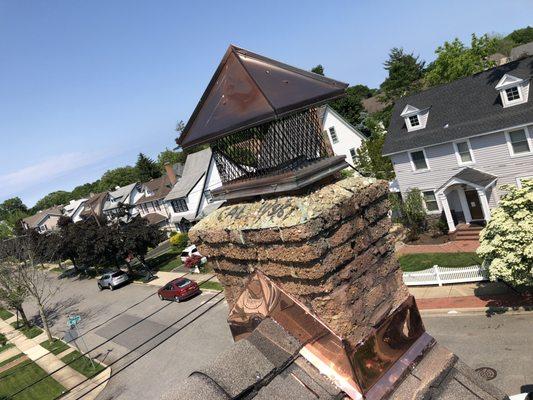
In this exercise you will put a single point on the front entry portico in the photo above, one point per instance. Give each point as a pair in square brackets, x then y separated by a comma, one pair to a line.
[463, 198]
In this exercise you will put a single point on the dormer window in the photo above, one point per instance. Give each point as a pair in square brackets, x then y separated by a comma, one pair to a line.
[414, 118]
[414, 121]
[512, 93]
[513, 90]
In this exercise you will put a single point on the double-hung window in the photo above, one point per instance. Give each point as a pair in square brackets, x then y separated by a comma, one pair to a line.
[208, 195]
[179, 205]
[418, 160]
[464, 153]
[430, 200]
[334, 138]
[518, 142]
[414, 121]
[512, 93]
[353, 154]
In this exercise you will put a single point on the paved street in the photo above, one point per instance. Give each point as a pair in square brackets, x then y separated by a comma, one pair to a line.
[503, 342]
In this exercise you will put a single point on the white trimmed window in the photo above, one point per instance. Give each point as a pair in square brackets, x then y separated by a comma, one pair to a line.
[353, 154]
[430, 200]
[463, 151]
[414, 121]
[208, 195]
[333, 134]
[518, 142]
[418, 160]
[179, 205]
[512, 93]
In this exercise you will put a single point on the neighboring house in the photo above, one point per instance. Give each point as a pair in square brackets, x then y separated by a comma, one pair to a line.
[74, 209]
[151, 205]
[343, 137]
[94, 206]
[521, 51]
[498, 58]
[190, 199]
[122, 198]
[43, 221]
[459, 142]
[373, 104]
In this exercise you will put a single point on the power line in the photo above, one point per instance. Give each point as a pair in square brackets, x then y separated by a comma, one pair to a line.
[149, 350]
[111, 338]
[21, 366]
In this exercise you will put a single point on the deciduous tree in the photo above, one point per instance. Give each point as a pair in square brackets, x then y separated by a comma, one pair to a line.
[370, 160]
[118, 177]
[455, 60]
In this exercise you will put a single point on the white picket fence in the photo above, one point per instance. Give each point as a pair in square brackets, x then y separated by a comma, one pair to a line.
[440, 275]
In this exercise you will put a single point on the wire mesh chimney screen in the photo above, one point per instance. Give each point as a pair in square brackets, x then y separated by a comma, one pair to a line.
[286, 144]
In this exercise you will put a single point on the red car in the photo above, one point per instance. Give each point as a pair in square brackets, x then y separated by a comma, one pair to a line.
[178, 290]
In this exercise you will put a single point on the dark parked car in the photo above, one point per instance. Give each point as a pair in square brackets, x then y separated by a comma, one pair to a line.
[111, 280]
[178, 290]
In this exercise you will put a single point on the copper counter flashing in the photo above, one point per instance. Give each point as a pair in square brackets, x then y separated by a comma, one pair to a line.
[370, 370]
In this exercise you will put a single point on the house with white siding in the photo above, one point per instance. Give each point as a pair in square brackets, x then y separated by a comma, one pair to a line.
[460, 142]
[123, 197]
[190, 198]
[343, 137]
[74, 209]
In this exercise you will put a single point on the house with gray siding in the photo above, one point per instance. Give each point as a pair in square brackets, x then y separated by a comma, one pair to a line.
[460, 142]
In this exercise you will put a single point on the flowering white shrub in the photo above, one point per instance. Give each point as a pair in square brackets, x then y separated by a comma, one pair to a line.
[507, 240]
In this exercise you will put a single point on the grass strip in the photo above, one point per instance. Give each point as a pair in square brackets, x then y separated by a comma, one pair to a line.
[418, 262]
[83, 365]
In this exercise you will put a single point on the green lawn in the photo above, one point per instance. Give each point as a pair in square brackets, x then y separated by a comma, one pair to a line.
[83, 365]
[417, 262]
[30, 333]
[4, 314]
[9, 360]
[47, 389]
[211, 285]
[5, 347]
[56, 347]
[167, 261]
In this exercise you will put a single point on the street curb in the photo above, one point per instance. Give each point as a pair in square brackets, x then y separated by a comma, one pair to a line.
[476, 310]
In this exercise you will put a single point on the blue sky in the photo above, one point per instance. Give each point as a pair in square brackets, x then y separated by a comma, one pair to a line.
[87, 85]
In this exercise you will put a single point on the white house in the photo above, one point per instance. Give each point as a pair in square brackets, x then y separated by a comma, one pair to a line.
[460, 142]
[74, 208]
[190, 199]
[344, 138]
[122, 196]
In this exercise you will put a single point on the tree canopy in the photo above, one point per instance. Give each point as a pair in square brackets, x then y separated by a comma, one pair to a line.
[370, 160]
[147, 168]
[319, 69]
[405, 72]
[455, 60]
[521, 36]
[168, 156]
[121, 176]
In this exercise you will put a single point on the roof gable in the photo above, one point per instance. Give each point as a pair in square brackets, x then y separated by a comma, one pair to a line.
[409, 110]
[196, 167]
[330, 110]
[248, 89]
[508, 81]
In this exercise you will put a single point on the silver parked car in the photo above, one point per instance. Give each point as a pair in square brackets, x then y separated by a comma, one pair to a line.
[113, 279]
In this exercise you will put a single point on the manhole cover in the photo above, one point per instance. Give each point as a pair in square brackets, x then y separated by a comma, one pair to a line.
[487, 373]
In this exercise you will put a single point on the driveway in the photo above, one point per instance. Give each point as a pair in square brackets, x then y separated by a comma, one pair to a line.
[501, 341]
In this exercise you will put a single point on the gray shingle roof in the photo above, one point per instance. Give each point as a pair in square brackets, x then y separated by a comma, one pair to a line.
[521, 51]
[265, 365]
[195, 167]
[475, 176]
[460, 109]
[34, 220]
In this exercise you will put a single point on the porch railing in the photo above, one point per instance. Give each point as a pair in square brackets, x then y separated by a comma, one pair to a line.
[440, 275]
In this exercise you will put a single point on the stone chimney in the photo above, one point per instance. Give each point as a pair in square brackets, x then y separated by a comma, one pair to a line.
[171, 174]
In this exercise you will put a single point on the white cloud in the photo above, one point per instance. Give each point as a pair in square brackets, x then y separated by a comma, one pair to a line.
[45, 171]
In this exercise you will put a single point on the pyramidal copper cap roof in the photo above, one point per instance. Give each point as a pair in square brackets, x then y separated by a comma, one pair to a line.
[248, 89]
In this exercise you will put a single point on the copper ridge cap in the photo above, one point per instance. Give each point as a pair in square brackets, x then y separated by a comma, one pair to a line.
[243, 93]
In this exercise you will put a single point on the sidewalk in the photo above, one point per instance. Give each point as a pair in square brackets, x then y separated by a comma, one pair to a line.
[68, 377]
[164, 277]
[469, 295]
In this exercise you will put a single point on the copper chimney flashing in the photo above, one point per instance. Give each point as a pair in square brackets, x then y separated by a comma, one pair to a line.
[260, 118]
[368, 371]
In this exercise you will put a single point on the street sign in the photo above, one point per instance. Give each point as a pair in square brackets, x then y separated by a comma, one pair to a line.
[73, 320]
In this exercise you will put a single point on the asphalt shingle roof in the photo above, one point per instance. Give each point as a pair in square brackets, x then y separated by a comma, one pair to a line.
[34, 220]
[475, 176]
[460, 109]
[196, 165]
[160, 187]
